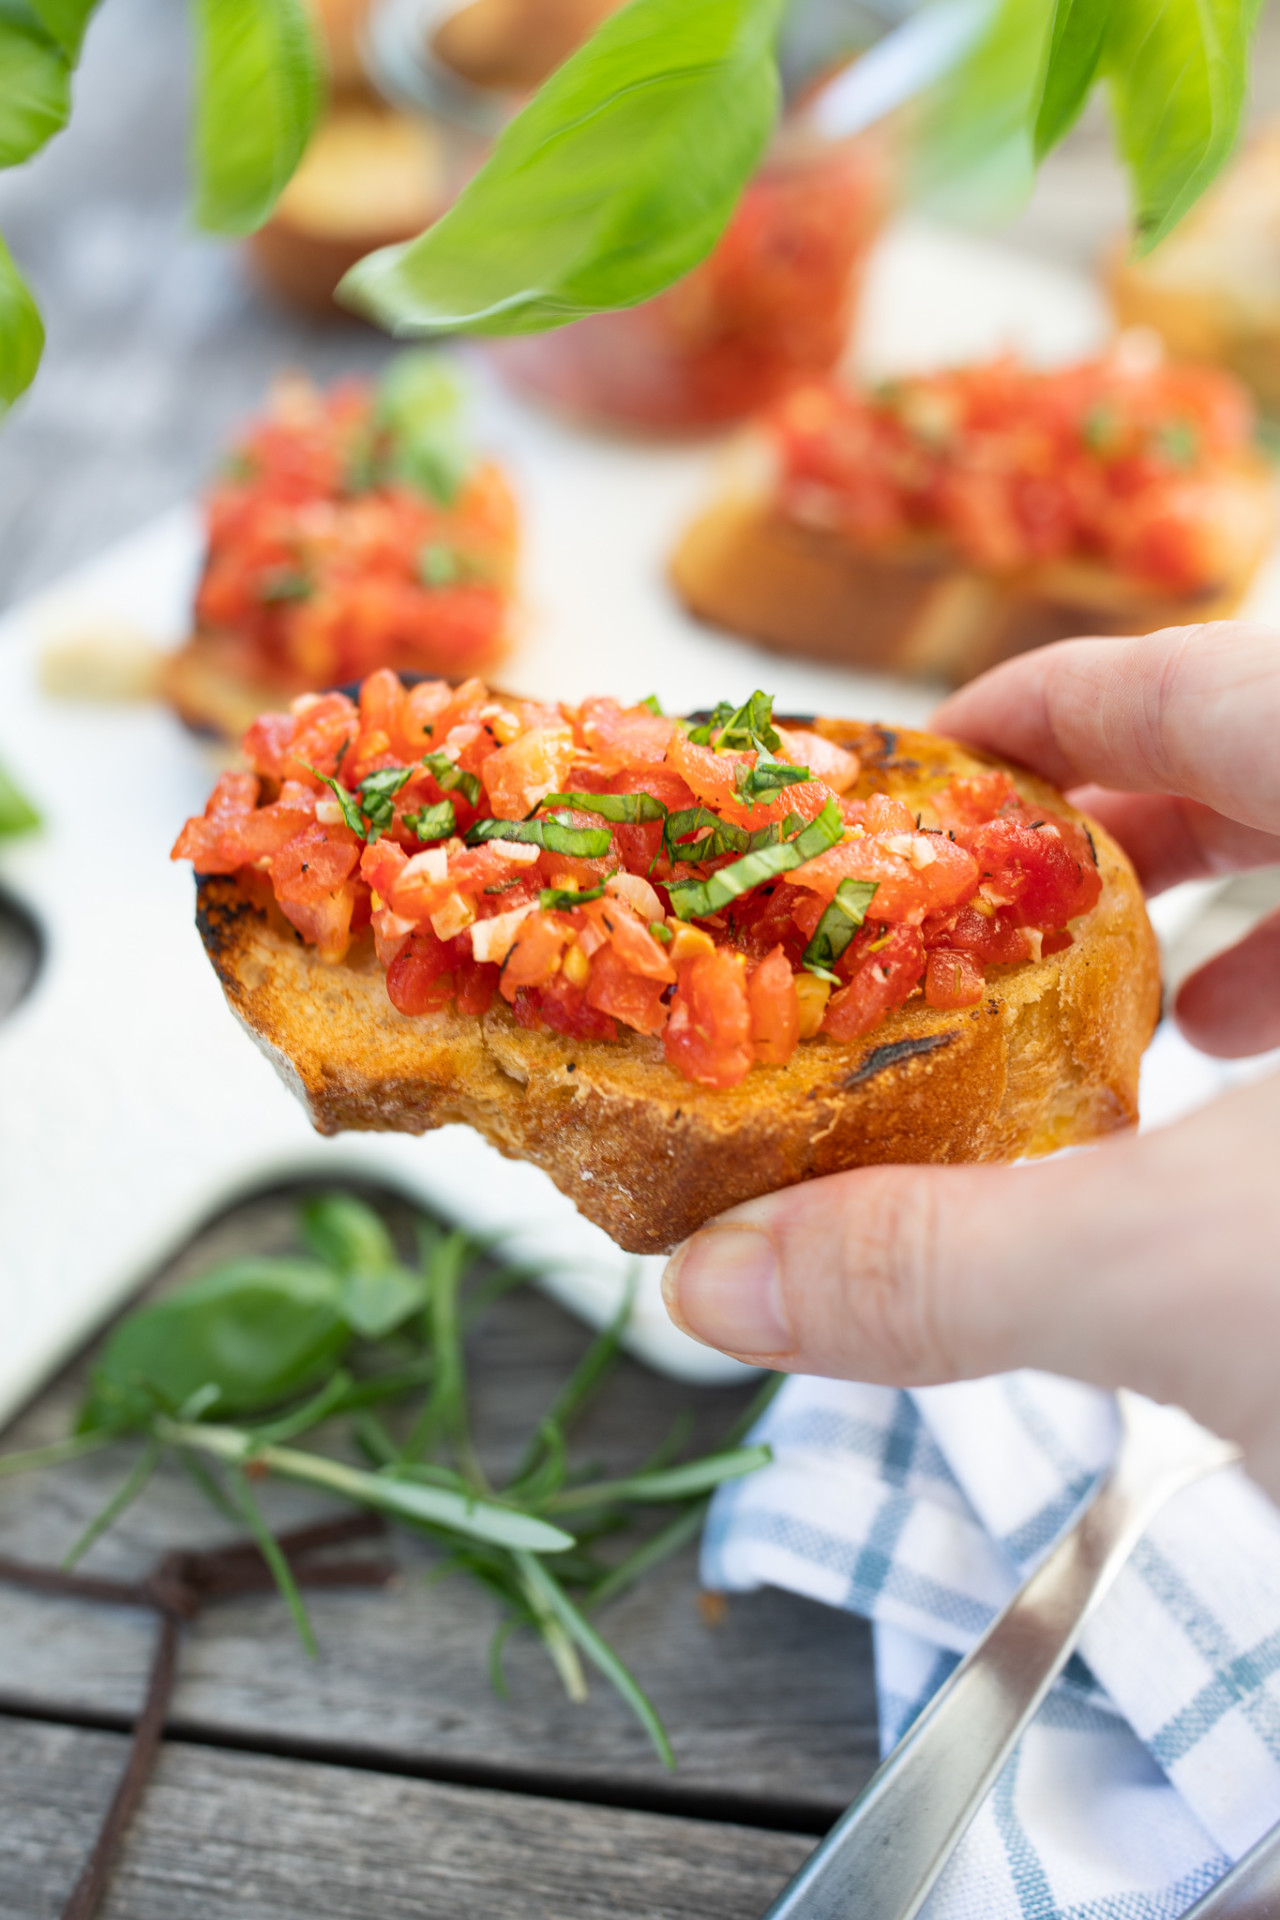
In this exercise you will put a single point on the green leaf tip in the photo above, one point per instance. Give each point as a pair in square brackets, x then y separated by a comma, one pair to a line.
[259, 93]
[589, 200]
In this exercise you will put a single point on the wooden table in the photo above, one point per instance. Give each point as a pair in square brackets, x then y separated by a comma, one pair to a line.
[387, 1778]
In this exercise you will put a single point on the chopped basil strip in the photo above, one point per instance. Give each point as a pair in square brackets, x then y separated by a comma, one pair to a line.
[661, 931]
[751, 726]
[450, 778]
[553, 836]
[767, 776]
[654, 705]
[694, 899]
[627, 809]
[565, 899]
[433, 823]
[837, 926]
[377, 792]
[738, 729]
[718, 836]
[350, 811]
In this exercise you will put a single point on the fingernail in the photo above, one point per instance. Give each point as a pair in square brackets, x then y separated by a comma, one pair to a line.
[723, 1287]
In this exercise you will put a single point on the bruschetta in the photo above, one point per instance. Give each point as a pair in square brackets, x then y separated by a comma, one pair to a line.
[676, 963]
[938, 524]
[347, 531]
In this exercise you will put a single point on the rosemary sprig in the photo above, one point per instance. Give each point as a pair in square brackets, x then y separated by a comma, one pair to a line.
[231, 1372]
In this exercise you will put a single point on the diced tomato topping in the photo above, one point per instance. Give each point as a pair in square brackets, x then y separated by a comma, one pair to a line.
[914, 873]
[325, 562]
[775, 1011]
[315, 861]
[708, 1034]
[634, 998]
[1041, 866]
[885, 973]
[538, 950]
[952, 979]
[1145, 467]
[588, 944]
[419, 979]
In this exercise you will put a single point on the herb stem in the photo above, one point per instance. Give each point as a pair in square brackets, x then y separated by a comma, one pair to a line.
[406, 1499]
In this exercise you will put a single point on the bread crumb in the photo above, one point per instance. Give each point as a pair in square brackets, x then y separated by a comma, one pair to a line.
[104, 661]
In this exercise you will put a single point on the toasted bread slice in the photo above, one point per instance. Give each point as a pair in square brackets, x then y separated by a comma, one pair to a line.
[915, 608]
[1048, 1059]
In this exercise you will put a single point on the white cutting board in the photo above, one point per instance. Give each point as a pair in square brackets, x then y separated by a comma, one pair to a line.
[131, 1105]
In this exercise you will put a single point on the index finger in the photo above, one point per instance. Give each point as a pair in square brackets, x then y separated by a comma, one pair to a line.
[1193, 711]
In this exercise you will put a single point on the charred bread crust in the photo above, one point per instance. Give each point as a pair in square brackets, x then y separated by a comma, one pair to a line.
[1048, 1059]
[914, 608]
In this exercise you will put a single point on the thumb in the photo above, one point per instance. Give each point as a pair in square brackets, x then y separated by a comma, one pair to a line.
[1108, 1266]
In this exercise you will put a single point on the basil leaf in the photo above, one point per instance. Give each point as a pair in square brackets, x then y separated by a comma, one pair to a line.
[433, 823]
[751, 726]
[258, 1330]
[21, 332]
[626, 809]
[377, 1294]
[767, 776]
[450, 778]
[661, 931]
[619, 176]
[974, 127]
[718, 836]
[565, 899]
[377, 797]
[35, 98]
[420, 407]
[1178, 74]
[258, 96]
[694, 899]
[554, 836]
[350, 809]
[703, 735]
[654, 705]
[838, 925]
[64, 21]
[17, 815]
[1074, 49]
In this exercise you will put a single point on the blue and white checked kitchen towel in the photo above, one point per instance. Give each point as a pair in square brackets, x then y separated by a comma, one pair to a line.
[1156, 1760]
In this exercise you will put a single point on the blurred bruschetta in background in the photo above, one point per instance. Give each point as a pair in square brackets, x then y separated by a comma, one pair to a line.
[939, 523]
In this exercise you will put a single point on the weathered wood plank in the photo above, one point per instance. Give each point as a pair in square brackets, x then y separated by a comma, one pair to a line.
[265, 1839]
[772, 1707]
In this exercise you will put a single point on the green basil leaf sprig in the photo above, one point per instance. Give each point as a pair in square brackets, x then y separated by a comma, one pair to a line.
[837, 927]
[617, 178]
[1176, 72]
[257, 1331]
[1177, 75]
[421, 410]
[258, 95]
[695, 899]
[377, 1293]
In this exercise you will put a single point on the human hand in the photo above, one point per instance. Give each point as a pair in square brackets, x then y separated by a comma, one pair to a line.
[1150, 1264]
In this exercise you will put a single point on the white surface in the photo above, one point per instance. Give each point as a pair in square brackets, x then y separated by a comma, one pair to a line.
[130, 1105]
